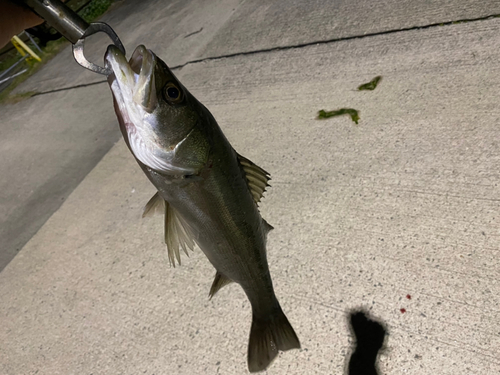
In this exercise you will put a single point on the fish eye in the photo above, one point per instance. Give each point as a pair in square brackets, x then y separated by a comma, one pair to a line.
[172, 93]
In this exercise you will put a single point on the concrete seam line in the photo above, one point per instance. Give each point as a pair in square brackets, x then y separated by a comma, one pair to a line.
[300, 45]
[327, 41]
[68, 88]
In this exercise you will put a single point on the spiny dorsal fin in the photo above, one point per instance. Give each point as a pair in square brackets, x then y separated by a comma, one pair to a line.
[156, 205]
[256, 177]
[219, 281]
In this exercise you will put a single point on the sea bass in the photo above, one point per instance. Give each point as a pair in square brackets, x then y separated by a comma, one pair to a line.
[207, 191]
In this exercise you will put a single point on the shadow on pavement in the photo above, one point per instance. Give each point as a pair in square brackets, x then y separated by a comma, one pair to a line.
[370, 336]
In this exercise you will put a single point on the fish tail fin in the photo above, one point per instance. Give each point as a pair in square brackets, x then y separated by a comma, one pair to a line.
[268, 335]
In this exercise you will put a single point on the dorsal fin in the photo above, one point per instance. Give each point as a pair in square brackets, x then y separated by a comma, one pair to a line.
[256, 178]
[267, 227]
[178, 233]
[219, 281]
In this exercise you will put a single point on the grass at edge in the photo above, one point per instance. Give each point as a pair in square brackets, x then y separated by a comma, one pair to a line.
[49, 52]
[90, 13]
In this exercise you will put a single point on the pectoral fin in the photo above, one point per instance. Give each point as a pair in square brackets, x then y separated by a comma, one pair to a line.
[178, 234]
[219, 281]
[256, 178]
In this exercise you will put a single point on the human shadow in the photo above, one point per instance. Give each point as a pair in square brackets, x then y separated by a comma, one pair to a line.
[370, 336]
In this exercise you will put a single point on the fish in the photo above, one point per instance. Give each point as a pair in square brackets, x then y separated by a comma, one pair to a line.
[208, 192]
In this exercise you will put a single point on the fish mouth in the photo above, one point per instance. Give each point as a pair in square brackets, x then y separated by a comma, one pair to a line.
[133, 81]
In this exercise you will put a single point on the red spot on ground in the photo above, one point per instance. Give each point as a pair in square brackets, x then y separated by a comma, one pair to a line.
[403, 310]
[408, 296]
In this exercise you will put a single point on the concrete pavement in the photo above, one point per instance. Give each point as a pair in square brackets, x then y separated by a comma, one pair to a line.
[405, 203]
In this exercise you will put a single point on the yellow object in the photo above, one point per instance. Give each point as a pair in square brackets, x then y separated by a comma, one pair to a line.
[18, 47]
[21, 47]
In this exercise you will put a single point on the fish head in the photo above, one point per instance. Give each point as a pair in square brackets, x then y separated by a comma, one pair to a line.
[154, 109]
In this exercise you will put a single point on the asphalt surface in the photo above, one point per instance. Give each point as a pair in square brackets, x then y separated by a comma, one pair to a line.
[398, 215]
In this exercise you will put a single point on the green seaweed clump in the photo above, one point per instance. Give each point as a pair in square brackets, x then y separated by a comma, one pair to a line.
[322, 114]
[370, 85]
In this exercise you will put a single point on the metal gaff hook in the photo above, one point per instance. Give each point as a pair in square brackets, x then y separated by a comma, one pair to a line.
[78, 47]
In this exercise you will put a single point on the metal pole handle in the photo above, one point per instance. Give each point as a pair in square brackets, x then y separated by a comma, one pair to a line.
[74, 28]
[60, 17]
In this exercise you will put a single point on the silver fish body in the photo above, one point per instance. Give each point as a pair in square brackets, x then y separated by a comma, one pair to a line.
[208, 192]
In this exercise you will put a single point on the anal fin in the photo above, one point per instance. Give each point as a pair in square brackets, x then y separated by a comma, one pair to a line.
[219, 281]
